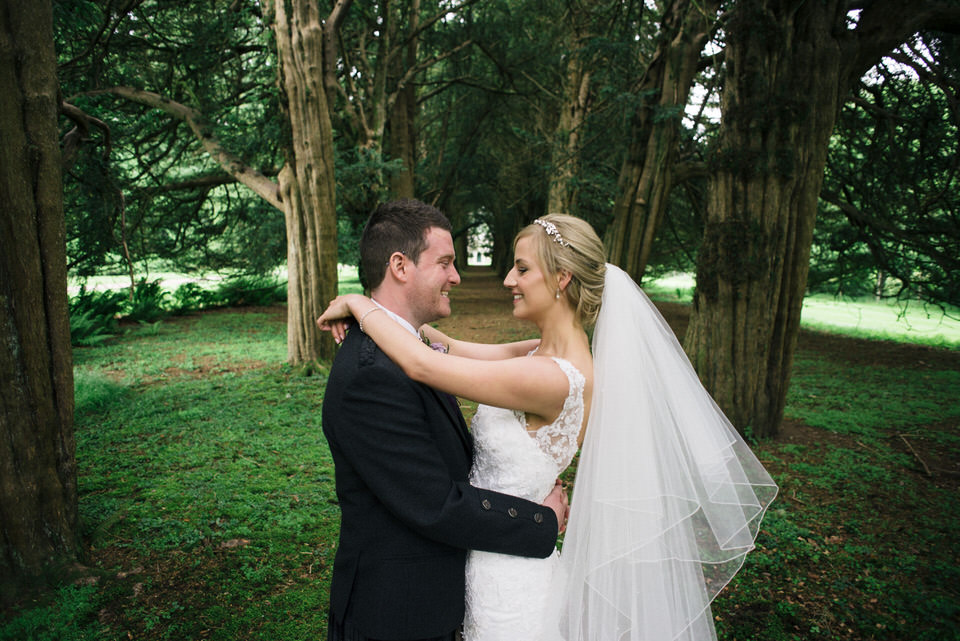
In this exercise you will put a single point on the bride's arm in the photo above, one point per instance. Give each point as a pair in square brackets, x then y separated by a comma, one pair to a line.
[480, 351]
[531, 384]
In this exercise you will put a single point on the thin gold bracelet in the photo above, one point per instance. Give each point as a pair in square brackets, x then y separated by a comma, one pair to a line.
[365, 314]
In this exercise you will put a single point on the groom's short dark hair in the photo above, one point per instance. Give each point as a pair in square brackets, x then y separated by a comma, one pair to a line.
[395, 226]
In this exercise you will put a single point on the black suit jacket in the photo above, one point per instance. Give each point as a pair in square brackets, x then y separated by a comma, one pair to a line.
[408, 514]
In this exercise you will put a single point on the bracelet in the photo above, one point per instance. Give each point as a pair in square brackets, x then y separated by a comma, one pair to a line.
[365, 314]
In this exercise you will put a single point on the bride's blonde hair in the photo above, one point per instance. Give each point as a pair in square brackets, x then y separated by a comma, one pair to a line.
[567, 243]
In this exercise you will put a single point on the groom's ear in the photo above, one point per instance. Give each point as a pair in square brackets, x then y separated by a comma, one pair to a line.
[397, 266]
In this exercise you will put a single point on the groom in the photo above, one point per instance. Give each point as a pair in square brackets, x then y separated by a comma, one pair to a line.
[402, 453]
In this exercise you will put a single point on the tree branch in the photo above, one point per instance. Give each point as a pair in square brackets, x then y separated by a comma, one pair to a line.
[243, 173]
[80, 133]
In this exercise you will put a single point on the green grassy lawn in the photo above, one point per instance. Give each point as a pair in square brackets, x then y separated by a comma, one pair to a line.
[910, 321]
[208, 510]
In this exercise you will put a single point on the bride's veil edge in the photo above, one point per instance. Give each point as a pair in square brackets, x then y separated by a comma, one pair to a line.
[658, 443]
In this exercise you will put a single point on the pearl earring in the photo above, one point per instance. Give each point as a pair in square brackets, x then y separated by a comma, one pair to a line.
[558, 294]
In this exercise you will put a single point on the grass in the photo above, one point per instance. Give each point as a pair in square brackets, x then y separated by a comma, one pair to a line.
[205, 480]
[888, 320]
[861, 542]
[208, 510]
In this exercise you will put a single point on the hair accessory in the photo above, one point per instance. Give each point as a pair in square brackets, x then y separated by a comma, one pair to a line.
[552, 231]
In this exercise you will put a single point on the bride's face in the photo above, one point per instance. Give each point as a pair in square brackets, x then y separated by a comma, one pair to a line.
[533, 292]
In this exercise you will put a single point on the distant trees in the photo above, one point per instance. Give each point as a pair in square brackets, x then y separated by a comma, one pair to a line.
[889, 219]
[500, 111]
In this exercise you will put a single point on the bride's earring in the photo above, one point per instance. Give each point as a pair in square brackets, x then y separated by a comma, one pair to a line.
[558, 294]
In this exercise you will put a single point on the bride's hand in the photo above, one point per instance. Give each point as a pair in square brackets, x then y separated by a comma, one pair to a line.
[338, 316]
[559, 502]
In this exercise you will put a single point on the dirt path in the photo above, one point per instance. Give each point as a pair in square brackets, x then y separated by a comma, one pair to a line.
[482, 312]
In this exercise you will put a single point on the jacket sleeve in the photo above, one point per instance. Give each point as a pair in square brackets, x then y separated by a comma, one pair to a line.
[393, 446]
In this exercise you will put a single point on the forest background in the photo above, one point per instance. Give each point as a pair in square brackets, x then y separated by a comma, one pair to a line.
[770, 148]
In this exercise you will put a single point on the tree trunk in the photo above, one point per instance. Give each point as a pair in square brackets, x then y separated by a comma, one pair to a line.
[790, 67]
[779, 108]
[562, 190]
[38, 485]
[646, 176]
[403, 114]
[307, 186]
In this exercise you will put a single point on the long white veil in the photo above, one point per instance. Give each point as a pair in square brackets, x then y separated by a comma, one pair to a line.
[668, 497]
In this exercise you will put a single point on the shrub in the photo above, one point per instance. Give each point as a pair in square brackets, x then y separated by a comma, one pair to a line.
[93, 315]
[149, 301]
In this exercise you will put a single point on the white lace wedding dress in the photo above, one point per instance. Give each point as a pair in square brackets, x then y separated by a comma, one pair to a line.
[507, 596]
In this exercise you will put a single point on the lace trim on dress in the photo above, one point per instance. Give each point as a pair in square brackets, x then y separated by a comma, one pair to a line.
[559, 438]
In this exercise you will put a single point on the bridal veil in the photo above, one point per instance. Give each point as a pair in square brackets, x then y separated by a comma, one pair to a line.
[668, 497]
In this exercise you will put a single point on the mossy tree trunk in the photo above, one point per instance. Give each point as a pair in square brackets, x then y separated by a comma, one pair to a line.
[647, 173]
[38, 485]
[306, 50]
[789, 68]
[562, 189]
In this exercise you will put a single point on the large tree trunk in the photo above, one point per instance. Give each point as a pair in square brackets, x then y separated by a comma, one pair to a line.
[646, 176]
[38, 486]
[307, 186]
[779, 108]
[789, 68]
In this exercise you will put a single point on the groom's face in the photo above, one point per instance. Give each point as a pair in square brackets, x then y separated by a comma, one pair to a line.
[433, 276]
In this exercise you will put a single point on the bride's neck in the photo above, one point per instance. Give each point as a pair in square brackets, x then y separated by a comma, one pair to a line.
[557, 341]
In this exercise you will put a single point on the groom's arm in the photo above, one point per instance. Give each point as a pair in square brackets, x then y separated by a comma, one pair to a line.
[393, 447]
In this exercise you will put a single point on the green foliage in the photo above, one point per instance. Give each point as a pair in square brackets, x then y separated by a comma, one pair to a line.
[190, 296]
[149, 301]
[888, 222]
[93, 315]
[249, 290]
[140, 182]
[69, 614]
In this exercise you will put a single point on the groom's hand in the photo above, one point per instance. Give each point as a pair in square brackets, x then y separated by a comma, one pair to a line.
[558, 502]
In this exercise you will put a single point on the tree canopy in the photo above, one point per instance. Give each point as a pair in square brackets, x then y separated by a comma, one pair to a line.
[187, 127]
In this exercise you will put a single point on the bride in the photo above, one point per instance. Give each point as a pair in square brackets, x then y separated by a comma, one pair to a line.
[668, 498]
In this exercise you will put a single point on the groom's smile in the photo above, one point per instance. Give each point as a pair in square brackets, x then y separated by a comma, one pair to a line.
[435, 275]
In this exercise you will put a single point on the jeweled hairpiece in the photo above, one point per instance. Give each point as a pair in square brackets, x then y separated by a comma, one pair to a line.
[552, 231]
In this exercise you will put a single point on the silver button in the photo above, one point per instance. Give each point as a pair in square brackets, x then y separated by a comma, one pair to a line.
[538, 518]
[512, 512]
[485, 503]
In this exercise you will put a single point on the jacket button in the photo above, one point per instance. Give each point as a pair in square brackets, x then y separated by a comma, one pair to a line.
[485, 504]
[538, 518]
[512, 512]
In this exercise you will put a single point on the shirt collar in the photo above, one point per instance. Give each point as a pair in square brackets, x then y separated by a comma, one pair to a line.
[403, 322]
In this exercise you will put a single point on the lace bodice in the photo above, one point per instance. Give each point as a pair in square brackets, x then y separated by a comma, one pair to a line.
[509, 459]
[506, 595]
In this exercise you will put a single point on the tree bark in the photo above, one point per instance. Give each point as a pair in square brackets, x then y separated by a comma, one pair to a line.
[790, 66]
[646, 176]
[562, 190]
[307, 186]
[38, 486]
[404, 112]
